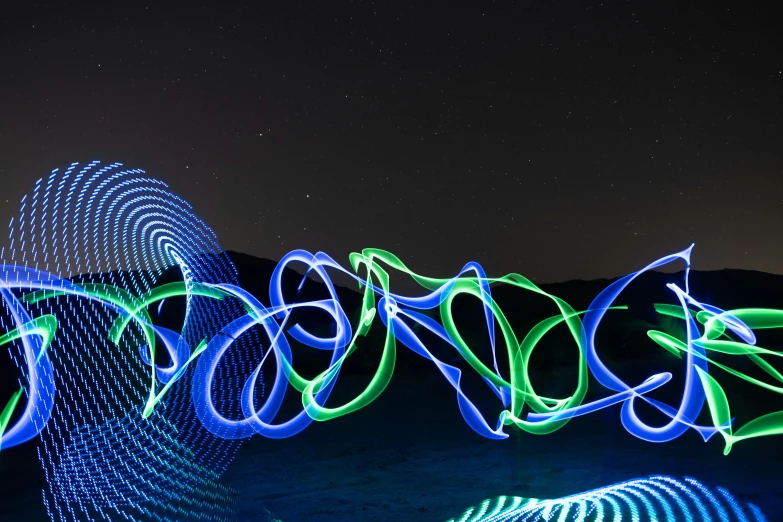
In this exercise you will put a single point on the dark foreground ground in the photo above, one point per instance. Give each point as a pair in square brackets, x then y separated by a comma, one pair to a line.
[409, 456]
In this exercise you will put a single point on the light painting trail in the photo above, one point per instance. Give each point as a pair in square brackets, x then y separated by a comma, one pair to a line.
[398, 314]
[640, 500]
[85, 348]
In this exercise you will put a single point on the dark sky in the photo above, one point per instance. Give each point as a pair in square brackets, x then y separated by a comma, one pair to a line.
[559, 140]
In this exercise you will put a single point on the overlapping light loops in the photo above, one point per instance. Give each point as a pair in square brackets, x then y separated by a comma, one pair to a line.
[85, 347]
[658, 498]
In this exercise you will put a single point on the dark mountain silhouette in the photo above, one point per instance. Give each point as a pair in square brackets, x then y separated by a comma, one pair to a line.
[727, 289]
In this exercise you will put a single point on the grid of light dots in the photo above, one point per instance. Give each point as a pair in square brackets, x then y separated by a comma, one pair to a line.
[657, 498]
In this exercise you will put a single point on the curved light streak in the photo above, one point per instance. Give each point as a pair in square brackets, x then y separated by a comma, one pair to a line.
[653, 499]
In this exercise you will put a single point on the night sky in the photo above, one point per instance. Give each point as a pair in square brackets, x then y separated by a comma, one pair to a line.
[560, 140]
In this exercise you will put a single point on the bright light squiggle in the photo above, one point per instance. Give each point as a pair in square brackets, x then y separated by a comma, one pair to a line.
[118, 426]
[656, 498]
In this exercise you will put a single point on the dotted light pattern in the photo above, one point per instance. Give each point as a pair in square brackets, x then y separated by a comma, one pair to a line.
[653, 499]
[126, 436]
[86, 392]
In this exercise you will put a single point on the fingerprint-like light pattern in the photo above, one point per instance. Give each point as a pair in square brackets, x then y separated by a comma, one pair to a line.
[653, 499]
[113, 232]
[125, 435]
